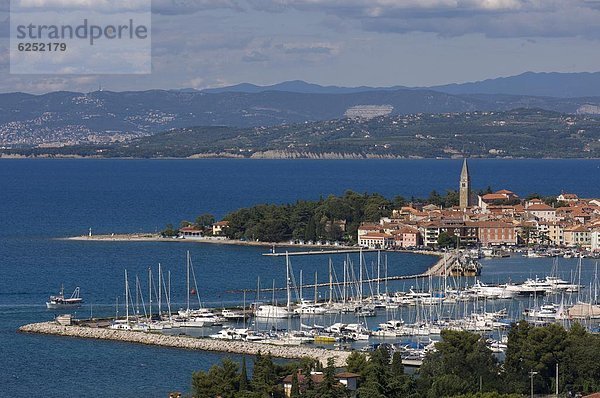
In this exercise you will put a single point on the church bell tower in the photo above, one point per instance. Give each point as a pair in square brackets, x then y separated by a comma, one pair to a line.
[465, 186]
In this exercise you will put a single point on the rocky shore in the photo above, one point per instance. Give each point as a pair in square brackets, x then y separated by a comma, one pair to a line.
[186, 342]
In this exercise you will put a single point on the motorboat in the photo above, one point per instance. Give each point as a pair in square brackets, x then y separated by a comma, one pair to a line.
[62, 302]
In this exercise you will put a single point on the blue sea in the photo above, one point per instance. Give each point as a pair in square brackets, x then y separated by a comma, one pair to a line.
[45, 200]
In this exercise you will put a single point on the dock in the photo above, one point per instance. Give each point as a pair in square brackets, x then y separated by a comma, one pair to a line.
[437, 269]
[318, 252]
[188, 342]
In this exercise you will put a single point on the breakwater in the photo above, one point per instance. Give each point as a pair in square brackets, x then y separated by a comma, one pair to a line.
[187, 342]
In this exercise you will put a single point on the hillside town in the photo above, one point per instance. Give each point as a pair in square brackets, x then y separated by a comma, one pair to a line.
[494, 219]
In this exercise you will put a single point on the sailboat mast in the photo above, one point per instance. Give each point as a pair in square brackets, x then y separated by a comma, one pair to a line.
[188, 280]
[301, 283]
[244, 312]
[149, 293]
[159, 289]
[287, 271]
[360, 277]
[378, 272]
[386, 278]
[126, 297]
[344, 287]
[330, 283]
[316, 298]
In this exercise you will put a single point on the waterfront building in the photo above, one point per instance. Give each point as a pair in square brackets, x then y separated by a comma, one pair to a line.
[578, 236]
[190, 232]
[595, 239]
[406, 237]
[365, 229]
[376, 240]
[465, 186]
[218, 227]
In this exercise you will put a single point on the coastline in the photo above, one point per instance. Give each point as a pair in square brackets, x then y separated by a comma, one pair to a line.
[152, 237]
[186, 342]
[263, 156]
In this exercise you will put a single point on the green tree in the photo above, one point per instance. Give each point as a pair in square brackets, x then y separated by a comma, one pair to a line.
[169, 231]
[243, 376]
[204, 220]
[295, 391]
[535, 349]
[377, 375]
[446, 240]
[264, 376]
[356, 363]
[461, 361]
[330, 387]
[221, 380]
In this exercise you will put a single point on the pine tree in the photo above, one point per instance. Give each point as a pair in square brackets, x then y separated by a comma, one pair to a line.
[243, 376]
[295, 391]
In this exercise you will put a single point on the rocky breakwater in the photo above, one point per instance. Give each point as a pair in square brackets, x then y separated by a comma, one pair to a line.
[186, 342]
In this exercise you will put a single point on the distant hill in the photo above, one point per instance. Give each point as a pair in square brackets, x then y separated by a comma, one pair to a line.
[560, 85]
[518, 133]
[69, 118]
[298, 86]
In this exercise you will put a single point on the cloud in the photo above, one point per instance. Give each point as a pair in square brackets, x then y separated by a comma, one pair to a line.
[308, 48]
[255, 56]
[175, 7]
[492, 18]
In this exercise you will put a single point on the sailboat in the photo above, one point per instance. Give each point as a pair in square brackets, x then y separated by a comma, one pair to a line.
[272, 311]
[194, 318]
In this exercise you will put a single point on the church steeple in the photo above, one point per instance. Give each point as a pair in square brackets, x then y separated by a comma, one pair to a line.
[465, 186]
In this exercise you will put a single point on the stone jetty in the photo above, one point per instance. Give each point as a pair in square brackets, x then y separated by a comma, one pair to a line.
[187, 342]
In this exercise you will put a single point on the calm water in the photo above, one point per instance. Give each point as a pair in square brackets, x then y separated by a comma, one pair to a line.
[46, 199]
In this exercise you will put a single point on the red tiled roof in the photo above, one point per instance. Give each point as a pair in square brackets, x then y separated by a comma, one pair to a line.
[540, 206]
[189, 229]
[493, 196]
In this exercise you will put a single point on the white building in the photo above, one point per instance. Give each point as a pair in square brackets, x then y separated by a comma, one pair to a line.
[596, 240]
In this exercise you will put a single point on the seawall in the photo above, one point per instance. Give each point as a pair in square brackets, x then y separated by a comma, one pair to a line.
[188, 343]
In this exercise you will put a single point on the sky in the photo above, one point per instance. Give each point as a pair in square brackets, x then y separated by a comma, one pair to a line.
[213, 43]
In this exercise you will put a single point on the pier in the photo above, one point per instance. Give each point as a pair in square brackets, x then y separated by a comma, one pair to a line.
[187, 342]
[437, 269]
[317, 252]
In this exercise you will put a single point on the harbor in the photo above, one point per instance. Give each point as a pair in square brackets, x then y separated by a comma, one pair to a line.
[355, 314]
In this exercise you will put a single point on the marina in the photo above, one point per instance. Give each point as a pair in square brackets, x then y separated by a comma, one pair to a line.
[149, 193]
[356, 314]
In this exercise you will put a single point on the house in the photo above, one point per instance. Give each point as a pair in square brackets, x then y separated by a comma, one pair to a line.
[578, 235]
[368, 229]
[348, 380]
[595, 240]
[189, 232]
[466, 234]
[542, 211]
[567, 197]
[218, 227]
[496, 233]
[501, 197]
[376, 240]
[406, 237]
